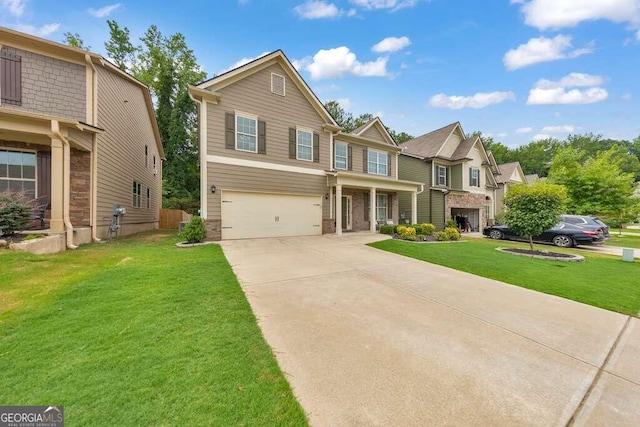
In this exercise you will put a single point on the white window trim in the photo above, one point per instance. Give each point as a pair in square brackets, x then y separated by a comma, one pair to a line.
[437, 175]
[309, 131]
[386, 206]
[346, 156]
[284, 84]
[138, 185]
[20, 150]
[250, 117]
[477, 171]
[378, 153]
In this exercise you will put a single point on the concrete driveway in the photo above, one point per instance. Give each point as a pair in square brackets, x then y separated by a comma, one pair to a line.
[367, 337]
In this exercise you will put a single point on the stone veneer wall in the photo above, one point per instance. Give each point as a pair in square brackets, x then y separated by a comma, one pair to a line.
[466, 201]
[80, 201]
[214, 229]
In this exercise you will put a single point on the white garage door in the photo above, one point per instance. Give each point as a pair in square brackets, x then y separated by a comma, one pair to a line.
[250, 215]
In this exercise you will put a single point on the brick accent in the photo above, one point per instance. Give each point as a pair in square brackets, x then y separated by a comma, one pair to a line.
[214, 229]
[80, 202]
[466, 201]
[328, 226]
[51, 86]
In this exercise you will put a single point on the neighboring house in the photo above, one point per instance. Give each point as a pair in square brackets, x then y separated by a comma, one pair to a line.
[509, 174]
[530, 179]
[76, 129]
[275, 163]
[457, 173]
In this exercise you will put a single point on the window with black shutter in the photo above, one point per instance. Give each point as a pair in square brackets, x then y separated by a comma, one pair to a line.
[10, 78]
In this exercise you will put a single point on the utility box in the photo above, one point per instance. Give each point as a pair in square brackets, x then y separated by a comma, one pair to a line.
[627, 255]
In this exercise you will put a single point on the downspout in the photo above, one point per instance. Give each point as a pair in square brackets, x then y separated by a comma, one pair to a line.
[93, 117]
[66, 183]
[202, 152]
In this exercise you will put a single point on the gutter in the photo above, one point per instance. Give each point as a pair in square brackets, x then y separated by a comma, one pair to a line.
[66, 183]
[94, 152]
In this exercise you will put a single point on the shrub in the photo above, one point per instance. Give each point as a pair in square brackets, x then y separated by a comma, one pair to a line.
[452, 233]
[401, 229]
[194, 231]
[428, 229]
[420, 237]
[408, 233]
[387, 229]
[440, 236]
[15, 212]
[418, 228]
[451, 223]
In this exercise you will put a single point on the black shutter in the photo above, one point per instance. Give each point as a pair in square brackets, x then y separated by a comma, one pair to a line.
[292, 143]
[388, 164]
[230, 131]
[367, 206]
[316, 148]
[389, 207]
[11, 76]
[44, 173]
[262, 137]
[350, 157]
[365, 160]
[470, 176]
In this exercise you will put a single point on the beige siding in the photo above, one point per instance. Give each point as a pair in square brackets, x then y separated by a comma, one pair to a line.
[51, 86]
[252, 95]
[374, 133]
[476, 162]
[451, 145]
[123, 113]
[412, 169]
[358, 158]
[229, 177]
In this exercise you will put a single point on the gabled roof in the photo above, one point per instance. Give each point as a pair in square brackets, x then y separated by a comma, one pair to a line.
[277, 57]
[531, 178]
[375, 122]
[463, 150]
[428, 145]
[506, 170]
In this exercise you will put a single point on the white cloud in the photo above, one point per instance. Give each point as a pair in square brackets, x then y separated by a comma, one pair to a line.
[547, 92]
[340, 61]
[524, 130]
[243, 61]
[542, 49]
[14, 7]
[502, 135]
[41, 31]
[345, 103]
[571, 80]
[391, 44]
[317, 10]
[555, 14]
[384, 4]
[541, 136]
[638, 35]
[558, 129]
[103, 11]
[538, 96]
[479, 100]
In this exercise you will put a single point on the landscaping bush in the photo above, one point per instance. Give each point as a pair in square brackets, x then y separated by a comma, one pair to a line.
[418, 228]
[451, 223]
[448, 234]
[194, 231]
[15, 212]
[387, 229]
[407, 233]
[428, 229]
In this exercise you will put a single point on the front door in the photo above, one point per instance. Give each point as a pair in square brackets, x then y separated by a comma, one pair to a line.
[347, 213]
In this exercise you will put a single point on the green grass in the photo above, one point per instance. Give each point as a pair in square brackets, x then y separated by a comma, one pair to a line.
[137, 332]
[625, 230]
[601, 280]
[624, 241]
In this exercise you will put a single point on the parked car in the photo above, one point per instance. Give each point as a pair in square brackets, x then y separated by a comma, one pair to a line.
[563, 234]
[588, 222]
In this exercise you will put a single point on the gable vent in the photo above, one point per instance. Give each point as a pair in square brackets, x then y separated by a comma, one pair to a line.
[277, 84]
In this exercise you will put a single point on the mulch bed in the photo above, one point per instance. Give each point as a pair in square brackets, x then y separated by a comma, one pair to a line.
[538, 253]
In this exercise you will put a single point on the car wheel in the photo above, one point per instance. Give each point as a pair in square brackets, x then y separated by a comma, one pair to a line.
[496, 234]
[563, 241]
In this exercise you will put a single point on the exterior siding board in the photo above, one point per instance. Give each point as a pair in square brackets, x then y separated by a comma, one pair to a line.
[50, 86]
[457, 177]
[121, 152]
[374, 133]
[252, 95]
[412, 169]
[437, 209]
[357, 158]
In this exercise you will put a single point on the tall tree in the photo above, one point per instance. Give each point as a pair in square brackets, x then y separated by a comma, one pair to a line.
[119, 47]
[74, 40]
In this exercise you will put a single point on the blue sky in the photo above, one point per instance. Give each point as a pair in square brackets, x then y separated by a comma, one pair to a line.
[518, 70]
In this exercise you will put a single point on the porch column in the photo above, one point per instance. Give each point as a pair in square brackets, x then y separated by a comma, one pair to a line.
[372, 210]
[338, 209]
[414, 207]
[57, 196]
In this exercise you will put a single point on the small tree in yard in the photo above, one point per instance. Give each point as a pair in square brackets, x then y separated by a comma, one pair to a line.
[15, 212]
[534, 208]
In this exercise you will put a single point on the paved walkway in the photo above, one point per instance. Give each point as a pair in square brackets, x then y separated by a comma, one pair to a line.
[367, 337]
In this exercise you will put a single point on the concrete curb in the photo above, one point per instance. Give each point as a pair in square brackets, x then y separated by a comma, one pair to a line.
[573, 258]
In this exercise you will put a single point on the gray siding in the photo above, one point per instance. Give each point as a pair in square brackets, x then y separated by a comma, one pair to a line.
[456, 177]
[229, 177]
[412, 169]
[51, 86]
[252, 95]
[121, 158]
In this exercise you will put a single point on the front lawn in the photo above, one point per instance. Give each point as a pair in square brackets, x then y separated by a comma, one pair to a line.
[137, 332]
[625, 241]
[601, 281]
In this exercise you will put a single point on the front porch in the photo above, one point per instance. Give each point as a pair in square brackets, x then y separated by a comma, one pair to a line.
[361, 202]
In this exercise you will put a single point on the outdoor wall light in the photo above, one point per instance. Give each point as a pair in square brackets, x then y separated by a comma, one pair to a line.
[213, 189]
[326, 196]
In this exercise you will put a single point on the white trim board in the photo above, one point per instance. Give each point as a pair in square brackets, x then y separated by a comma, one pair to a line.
[264, 165]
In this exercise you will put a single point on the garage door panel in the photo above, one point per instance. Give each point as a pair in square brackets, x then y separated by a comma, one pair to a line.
[252, 215]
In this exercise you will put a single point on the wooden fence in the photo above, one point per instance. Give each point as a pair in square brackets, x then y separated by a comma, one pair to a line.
[171, 218]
